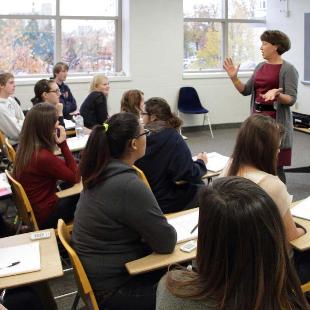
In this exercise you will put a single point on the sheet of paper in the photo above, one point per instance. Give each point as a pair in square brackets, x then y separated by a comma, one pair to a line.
[302, 209]
[69, 124]
[20, 259]
[184, 224]
[5, 188]
[216, 161]
[77, 144]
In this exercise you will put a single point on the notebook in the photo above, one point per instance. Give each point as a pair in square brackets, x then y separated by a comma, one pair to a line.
[77, 144]
[302, 209]
[69, 124]
[216, 161]
[184, 224]
[20, 259]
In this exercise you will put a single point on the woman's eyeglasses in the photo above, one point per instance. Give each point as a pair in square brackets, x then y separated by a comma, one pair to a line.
[56, 91]
[146, 132]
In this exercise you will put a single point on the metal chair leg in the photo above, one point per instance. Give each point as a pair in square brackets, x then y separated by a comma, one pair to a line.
[76, 301]
[210, 127]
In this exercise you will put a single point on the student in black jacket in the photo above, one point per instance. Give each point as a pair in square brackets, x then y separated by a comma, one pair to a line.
[168, 159]
[60, 72]
[94, 109]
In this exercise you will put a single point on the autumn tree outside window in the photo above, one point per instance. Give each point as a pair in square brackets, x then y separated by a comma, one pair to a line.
[215, 29]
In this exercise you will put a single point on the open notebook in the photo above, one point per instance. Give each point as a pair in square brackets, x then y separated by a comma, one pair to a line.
[77, 144]
[216, 161]
[69, 124]
[302, 209]
[20, 259]
[184, 224]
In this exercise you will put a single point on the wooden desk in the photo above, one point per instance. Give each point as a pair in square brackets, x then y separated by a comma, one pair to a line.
[50, 261]
[75, 144]
[156, 261]
[303, 242]
[305, 130]
[75, 189]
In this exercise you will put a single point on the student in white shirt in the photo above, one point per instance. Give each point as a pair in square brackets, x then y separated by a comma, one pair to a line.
[11, 115]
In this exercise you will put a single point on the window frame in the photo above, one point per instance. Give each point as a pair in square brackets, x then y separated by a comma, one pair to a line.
[225, 21]
[58, 36]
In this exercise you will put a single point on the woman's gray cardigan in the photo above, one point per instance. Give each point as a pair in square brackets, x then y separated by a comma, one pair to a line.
[288, 81]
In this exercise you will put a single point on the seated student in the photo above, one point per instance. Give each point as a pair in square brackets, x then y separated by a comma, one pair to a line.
[168, 159]
[60, 72]
[255, 158]
[38, 169]
[242, 260]
[47, 91]
[11, 115]
[133, 101]
[117, 219]
[94, 109]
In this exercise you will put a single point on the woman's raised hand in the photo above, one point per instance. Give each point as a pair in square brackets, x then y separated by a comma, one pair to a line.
[230, 68]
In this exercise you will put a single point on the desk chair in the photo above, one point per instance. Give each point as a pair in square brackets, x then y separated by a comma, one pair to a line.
[84, 288]
[9, 150]
[23, 205]
[305, 287]
[189, 103]
[142, 176]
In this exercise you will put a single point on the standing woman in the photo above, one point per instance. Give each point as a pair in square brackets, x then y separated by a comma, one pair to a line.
[117, 218]
[168, 159]
[38, 169]
[133, 102]
[47, 91]
[242, 260]
[94, 109]
[273, 89]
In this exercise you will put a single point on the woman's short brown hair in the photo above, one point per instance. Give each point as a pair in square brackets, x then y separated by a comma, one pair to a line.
[277, 37]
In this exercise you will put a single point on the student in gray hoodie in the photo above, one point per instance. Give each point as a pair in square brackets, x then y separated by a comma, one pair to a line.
[117, 218]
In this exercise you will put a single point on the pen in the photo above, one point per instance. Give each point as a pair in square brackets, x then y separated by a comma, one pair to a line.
[196, 226]
[12, 264]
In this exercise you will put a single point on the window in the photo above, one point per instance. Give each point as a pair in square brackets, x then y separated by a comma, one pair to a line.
[35, 34]
[216, 29]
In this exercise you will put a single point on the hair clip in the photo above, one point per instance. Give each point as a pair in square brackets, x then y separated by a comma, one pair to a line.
[106, 126]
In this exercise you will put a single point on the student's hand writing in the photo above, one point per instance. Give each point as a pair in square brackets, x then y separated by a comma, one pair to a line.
[60, 134]
[230, 68]
[272, 94]
[203, 156]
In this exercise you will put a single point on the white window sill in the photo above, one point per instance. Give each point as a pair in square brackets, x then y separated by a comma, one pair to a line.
[213, 75]
[70, 80]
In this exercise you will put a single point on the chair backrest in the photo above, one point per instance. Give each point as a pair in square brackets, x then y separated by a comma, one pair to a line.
[188, 99]
[22, 203]
[2, 138]
[11, 154]
[84, 287]
[142, 176]
[305, 287]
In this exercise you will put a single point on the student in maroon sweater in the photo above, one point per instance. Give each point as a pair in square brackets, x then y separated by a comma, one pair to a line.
[38, 169]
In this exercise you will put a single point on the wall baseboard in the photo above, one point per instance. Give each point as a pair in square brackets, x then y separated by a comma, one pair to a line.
[214, 126]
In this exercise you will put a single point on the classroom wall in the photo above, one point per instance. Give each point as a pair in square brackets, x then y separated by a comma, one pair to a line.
[156, 57]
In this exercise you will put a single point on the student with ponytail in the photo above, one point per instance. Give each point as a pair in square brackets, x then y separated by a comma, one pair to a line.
[117, 218]
[168, 159]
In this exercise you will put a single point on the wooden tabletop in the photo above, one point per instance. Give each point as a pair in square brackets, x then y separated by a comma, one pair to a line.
[75, 189]
[156, 261]
[50, 261]
[305, 130]
[303, 242]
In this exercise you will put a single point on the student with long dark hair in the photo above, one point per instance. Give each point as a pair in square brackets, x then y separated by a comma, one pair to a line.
[242, 256]
[168, 159]
[255, 158]
[38, 169]
[117, 217]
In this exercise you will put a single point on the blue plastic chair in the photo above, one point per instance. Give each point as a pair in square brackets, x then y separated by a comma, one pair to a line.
[189, 103]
